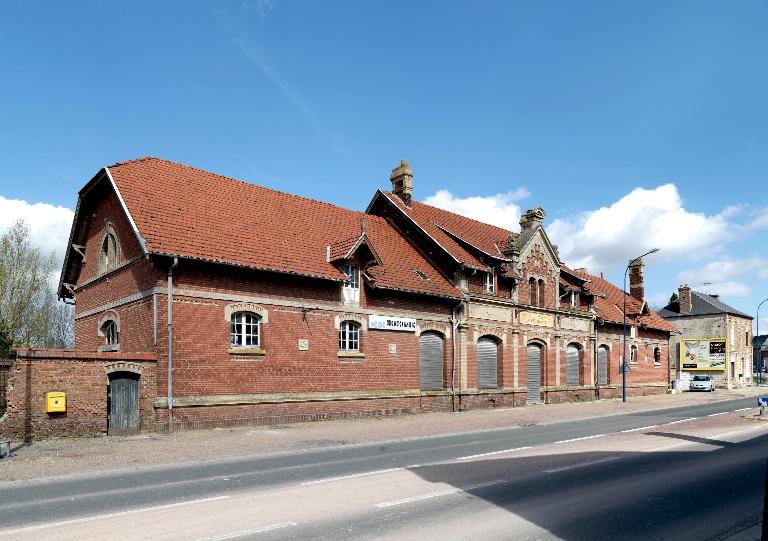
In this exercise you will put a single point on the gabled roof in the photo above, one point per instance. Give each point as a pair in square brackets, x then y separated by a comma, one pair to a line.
[609, 304]
[464, 239]
[182, 211]
[703, 304]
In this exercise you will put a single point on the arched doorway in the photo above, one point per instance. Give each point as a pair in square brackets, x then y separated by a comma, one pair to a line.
[430, 361]
[533, 373]
[487, 363]
[123, 403]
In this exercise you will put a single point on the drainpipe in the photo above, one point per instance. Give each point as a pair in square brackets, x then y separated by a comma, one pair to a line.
[454, 330]
[170, 343]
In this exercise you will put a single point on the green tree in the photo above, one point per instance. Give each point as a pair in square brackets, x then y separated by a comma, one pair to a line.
[673, 298]
[31, 314]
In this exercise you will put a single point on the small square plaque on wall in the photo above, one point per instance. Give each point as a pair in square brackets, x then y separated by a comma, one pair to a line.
[392, 350]
[303, 344]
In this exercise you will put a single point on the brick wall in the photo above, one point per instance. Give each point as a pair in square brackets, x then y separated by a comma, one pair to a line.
[82, 375]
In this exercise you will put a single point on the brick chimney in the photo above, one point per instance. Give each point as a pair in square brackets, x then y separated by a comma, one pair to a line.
[402, 182]
[685, 299]
[636, 279]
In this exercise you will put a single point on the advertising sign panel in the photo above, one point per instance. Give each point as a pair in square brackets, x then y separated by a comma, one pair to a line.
[703, 353]
[390, 323]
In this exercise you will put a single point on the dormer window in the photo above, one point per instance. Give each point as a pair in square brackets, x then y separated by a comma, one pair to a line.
[350, 292]
[574, 299]
[488, 282]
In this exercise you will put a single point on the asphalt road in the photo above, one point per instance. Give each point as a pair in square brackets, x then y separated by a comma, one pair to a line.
[692, 472]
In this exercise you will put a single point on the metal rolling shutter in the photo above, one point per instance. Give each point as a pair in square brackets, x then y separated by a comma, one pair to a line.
[430, 361]
[572, 365]
[533, 374]
[487, 363]
[602, 365]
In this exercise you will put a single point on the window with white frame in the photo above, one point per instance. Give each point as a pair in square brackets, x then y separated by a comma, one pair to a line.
[488, 282]
[349, 336]
[245, 328]
[656, 356]
[350, 292]
[111, 335]
[574, 299]
[633, 354]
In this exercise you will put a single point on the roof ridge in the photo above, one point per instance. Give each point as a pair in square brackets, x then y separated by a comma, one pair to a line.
[455, 214]
[250, 184]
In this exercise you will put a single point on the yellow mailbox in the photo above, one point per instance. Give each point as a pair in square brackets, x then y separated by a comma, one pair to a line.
[55, 402]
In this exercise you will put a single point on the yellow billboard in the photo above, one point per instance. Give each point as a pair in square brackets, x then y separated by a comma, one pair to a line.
[703, 353]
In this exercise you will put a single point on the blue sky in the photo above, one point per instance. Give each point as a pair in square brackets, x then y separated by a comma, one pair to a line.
[634, 125]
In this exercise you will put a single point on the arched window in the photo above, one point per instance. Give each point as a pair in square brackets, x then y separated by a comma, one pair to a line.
[349, 336]
[633, 354]
[533, 291]
[572, 358]
[602, 365]
[656, 356]
[108, 253]
[111, 335]
[541, 292]
[245, 330]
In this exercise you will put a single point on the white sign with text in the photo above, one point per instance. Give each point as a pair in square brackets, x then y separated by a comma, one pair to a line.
[390, 323]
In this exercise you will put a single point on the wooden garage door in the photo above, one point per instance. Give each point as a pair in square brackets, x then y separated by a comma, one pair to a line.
[572, 365]
[430, 361]
[533, 374]
[487, 363]
[602, 365]
[123, 403]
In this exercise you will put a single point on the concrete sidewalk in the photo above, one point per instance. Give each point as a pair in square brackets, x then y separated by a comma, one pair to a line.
[85, 456]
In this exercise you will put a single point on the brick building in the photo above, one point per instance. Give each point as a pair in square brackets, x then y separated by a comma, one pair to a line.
[703, 316]
[283, 308]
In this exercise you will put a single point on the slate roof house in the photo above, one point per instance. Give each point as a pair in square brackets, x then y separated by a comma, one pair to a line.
[703, 315]
[273, 307]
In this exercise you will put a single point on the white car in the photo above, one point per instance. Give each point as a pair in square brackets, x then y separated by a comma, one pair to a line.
[702, 382]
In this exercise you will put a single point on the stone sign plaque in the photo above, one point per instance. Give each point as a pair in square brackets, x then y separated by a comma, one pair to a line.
[536, 318]
[493, 313]
[574, 324]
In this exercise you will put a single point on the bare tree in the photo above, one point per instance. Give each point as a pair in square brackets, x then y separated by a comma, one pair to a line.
[29, 311]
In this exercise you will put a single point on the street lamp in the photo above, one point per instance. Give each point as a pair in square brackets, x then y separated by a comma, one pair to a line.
[759, 348]
[624, 359]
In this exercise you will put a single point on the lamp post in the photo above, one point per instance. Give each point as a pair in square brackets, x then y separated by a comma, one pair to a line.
[624, 359]
[759, 348]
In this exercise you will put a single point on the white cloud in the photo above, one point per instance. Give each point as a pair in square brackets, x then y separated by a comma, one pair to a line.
[499, 210]
[49, 225]
[643, 219]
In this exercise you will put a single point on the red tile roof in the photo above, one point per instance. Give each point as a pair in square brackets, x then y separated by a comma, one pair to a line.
[609, 304]
[180, 210]
[445, 226]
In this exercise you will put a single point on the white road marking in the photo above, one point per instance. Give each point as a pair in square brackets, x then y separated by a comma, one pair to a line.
[108, 515]
[351, 476]
[493, 453]
[639, 429]
[243, 533]
[581, 439]
[742, 409]
[581, 465]
[441, 493]
[716, 414]
[682, 420]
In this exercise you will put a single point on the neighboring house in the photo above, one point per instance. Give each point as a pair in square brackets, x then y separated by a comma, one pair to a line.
[704, 316]
[285, 308]
[760, 343]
